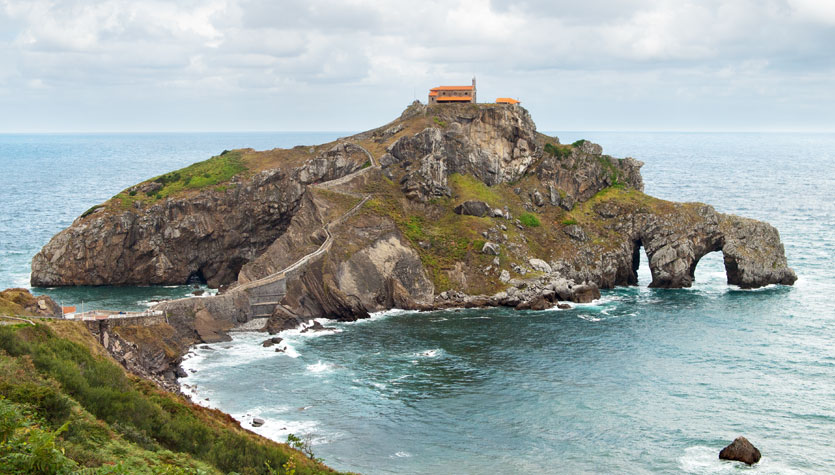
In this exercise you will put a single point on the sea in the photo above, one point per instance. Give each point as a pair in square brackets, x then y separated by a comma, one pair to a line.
[640, 381]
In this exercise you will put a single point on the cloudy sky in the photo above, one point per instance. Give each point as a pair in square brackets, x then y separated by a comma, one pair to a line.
[246, 65]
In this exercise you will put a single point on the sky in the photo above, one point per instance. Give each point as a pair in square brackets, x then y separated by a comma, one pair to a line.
[306, 65]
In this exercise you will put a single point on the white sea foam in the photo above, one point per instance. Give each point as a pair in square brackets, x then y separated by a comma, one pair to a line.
[320, 367]
[701, 459]
[434, 353]
[278, 429]
[401, 455]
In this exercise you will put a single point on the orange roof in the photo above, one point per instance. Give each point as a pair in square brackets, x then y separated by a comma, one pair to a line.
[506, 100]
[452, 88]
[454, 98]
[68, 309]
[433, 93]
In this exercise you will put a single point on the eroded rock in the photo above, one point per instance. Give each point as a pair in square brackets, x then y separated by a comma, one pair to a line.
[742, 451]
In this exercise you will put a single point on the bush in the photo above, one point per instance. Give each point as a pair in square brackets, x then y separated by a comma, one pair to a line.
[132, 408]
[558, 151]
[569, 222]
[530, 220]
[579, 143]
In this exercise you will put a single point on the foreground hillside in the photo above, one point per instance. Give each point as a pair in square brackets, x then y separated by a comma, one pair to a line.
[65, 406]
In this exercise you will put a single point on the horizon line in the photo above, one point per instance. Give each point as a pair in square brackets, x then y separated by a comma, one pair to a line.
[544, 130]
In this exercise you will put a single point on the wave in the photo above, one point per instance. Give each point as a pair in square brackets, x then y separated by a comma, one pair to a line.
[319, 367]
[434, 353]
[702, 459]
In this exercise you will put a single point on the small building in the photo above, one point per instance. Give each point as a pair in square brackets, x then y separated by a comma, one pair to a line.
[507, 100]
[452, 94]
[67, 311]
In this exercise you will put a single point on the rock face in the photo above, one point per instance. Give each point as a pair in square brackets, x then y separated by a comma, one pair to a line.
[498, 145]
[473, 208]
[207, 236]
[154, 358]
[675, 240]
[742, 451]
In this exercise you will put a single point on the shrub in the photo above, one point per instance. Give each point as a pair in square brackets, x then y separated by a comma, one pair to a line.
[558, 151]
[579, 143]
[530, 220]
[569, 222]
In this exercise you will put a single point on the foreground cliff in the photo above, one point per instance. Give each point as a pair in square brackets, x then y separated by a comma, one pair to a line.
[449, 205]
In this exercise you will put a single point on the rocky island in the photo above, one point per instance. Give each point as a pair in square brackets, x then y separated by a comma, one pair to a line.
[454, 205]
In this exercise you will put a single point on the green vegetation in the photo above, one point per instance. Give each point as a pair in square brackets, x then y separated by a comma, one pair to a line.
[614, 173]
[559, 151]
[569, 222]
[439, 122]
[466, 187]
[200, 175]
[90, 211]
[211, 172]
[530, 220]
[578, 142]
[64, 409]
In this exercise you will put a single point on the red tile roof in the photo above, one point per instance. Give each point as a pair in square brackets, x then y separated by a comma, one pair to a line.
[506, 100]
[452, 88]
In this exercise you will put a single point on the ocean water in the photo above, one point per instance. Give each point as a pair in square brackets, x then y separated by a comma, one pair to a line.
[641, 381]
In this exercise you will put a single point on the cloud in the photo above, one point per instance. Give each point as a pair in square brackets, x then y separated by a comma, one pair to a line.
[292, 53]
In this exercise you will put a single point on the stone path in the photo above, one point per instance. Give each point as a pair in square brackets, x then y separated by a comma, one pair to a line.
[263, 303]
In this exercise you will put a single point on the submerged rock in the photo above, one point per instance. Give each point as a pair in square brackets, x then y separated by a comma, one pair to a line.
[742, 451]
[271, 341]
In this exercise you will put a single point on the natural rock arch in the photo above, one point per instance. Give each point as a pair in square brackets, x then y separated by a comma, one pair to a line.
[752, 252]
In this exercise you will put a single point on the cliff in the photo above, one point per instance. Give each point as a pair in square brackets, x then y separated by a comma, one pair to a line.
[448, 205]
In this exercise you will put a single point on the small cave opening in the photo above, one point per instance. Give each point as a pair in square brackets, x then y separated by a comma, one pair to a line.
[196, 278]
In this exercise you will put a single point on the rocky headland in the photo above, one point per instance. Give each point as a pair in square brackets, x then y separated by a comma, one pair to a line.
[447, 206]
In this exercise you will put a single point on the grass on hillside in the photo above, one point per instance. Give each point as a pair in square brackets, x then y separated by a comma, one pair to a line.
[12, 302]
[62, 410]
[216, 170]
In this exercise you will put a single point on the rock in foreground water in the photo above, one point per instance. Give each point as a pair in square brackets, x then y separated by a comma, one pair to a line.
[742, 451]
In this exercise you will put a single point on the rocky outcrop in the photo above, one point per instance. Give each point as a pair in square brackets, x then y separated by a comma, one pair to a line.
[675, 237]
[152, 352]
[495, 145]
[473, 208]
[206, 235]
[20, 302]
[742, 451]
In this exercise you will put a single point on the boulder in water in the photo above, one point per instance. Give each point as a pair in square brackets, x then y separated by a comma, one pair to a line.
[741, 450]
[257, 422]
[271, 341]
